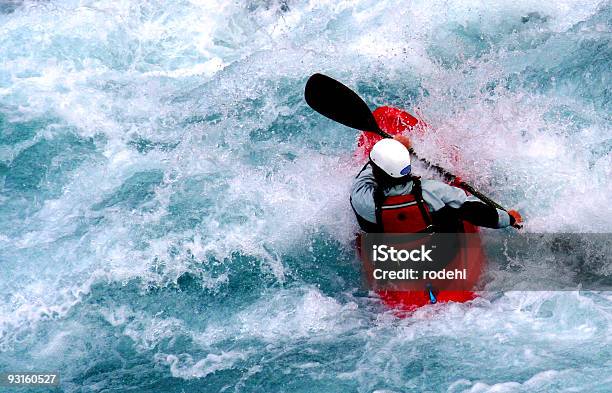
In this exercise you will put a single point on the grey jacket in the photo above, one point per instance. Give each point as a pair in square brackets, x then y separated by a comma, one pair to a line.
[436, 195]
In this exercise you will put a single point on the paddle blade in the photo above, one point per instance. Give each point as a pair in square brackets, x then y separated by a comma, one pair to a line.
[335, 101]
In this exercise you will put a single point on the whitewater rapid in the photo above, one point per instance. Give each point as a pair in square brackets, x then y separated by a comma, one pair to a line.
[173, 216]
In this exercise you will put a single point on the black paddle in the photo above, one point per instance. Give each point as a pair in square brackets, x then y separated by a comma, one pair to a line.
[335, 101]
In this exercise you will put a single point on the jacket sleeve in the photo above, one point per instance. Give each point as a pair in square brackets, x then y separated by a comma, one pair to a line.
[362, 195]
[438, 195]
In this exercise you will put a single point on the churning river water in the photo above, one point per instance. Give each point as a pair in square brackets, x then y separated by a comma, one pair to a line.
[175, 218]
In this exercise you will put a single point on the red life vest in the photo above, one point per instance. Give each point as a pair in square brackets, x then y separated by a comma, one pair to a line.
[405, 213]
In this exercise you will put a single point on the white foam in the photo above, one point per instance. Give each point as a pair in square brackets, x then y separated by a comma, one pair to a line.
[186, 368]
[288, 317]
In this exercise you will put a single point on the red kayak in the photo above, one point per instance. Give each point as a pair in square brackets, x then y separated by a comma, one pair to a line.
[471, 256]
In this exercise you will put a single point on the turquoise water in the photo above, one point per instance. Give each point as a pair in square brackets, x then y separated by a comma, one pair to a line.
[174, 218]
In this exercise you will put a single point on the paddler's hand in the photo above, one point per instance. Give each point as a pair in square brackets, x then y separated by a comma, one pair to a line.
[515, 219]
[404, 140]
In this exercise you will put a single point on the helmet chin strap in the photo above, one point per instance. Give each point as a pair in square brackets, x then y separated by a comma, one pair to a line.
[385, 180]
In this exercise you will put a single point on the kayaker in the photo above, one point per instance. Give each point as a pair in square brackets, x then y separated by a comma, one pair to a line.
[386, 197]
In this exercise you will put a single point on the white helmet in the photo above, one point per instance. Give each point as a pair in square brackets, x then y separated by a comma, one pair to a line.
[392, 157]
